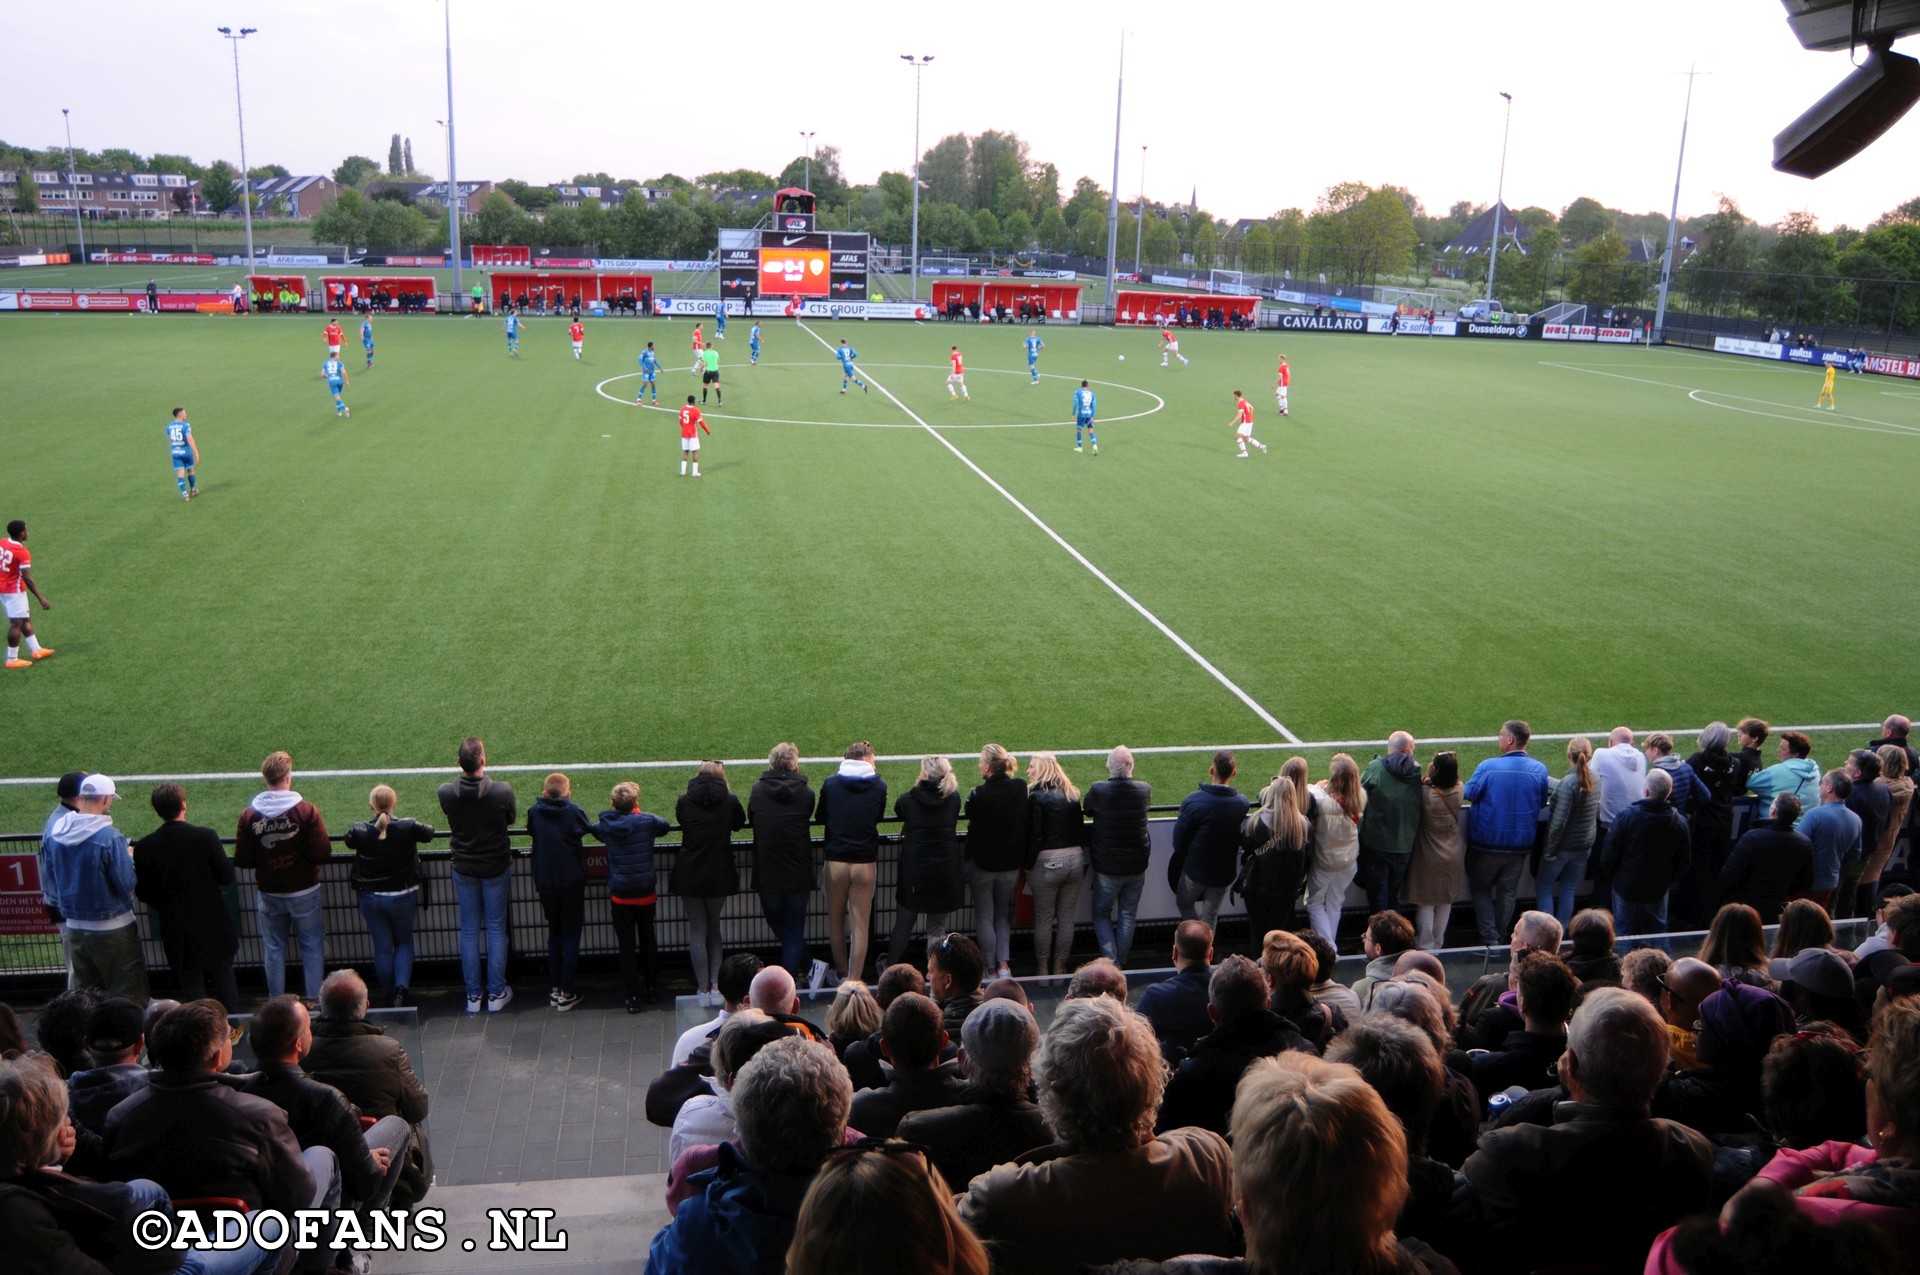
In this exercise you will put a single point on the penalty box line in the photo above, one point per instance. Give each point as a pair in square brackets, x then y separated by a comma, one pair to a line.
[1322, 745]
[1279, 727]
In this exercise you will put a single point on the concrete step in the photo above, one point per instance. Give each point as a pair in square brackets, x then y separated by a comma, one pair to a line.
[607, 1224]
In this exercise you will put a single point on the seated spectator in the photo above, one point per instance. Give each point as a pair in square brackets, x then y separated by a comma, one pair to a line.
[1771, 862]
[736, 979]
[370, 1162]
[773, 993]
[1687, 983]
[1488, 1013]
[1527, 1057]
[1008, 989]
[1423, 961]
[1738, 1024]
[954, 967]
[882, 1206]
[1525, 1174]
[373, 1071]
[1592, 959]
[1843, 1181]
[13, 1041]
[1641, 971]
[1387, 935]
[1290, 965]
[1804, 926]
[196, 1135]
[115, 1036]
[1319, 1175]
[1080, 1200]
[1819, 986]
[707, 1120]
[1880, 940]
[1200, 1092]
[863, 1056]
[55, 1221]
[1177, 1007]
[911, 1039]
[1814, 1085]
[1401, 1064]
[1766, 1235]
[854, 1016]
[1098, 977]
[1736, 945]
[994, 1122]
[1454, 1130]
[790, 1106]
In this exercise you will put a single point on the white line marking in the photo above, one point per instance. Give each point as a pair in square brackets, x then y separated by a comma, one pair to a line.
[1272, 721]
[1148, 750]
[1694, 392]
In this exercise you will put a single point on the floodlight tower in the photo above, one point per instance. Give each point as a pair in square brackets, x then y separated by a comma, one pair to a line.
[918, 64]
[1140, 214]
[807, 180]
[1499, 198]
[73, 187]
[453, 178]
[239, 110]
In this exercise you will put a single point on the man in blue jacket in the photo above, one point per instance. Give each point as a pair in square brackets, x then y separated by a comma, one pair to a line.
[1206, 839]
[93, 881]
[1507, 794]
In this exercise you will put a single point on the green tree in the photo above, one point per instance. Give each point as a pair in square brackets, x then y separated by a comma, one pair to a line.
[1045, 194]
[1017, 231]
[944, 170]
[499, 220]
[736, 179]
[1161, 246]
[1601, 276]
[406, 155]
[1206, 245]
[531, 198]
[1090, 233]
[177, 164]
[1584, 220]
[220, 188]
[118, 159]
[396, 157]
[26, 194]
[997, 172]
[1087, 196]
[392, 195]
[1359, 233]
[1885, 287]
[1053, 232]
[355, 169]
[986, 229]
[896, 189]
[270, 171]
[345, 220]
[394, 225]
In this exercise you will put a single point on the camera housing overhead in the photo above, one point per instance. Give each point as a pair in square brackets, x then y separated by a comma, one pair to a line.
[1881, 89]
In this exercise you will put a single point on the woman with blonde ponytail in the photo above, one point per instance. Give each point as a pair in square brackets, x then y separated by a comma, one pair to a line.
[1338, 804]
[386, 880]
[1573, 817]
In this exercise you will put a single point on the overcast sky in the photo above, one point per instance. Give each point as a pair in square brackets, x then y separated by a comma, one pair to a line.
[1259, 110]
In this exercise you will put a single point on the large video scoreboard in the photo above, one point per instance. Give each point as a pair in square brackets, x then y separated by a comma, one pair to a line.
[781, 263]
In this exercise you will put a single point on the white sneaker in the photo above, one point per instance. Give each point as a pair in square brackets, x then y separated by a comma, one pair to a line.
[497, 1003]
[473, 1004]
[816, 975]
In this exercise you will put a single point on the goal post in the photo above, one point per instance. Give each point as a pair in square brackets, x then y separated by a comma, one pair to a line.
[1232, 283]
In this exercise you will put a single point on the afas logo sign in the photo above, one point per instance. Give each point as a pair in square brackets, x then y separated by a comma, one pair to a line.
[794, 270]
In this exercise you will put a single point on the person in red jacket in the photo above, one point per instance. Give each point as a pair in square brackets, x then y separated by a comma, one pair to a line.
[284, 840]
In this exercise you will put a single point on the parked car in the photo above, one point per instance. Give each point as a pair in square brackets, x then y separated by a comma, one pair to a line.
[1489, 312]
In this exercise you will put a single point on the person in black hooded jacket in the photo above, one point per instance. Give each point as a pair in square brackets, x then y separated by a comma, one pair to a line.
[559, 829]
[780, 810]
[996, 851]
[703, 875]
[1118, 846]
[929, 882]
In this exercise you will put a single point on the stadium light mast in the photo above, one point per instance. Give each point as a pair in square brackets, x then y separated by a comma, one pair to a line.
[918, 64]
[1500, 198]
[1673, 217]
[1113, 195]
[239, 110]
[807, 179]
[453, 179]
[1140, 215]
[73, 187]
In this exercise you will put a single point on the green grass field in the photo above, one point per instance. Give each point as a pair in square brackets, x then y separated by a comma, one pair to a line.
[1446, 533]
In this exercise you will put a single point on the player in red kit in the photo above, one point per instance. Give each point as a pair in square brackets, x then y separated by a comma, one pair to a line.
[1282, 379]
[1170, 345]
[16, 581]
[333, 339]
[691, 425]
[579, 335]
[958, 376]
[1243, 424]
[699, 345]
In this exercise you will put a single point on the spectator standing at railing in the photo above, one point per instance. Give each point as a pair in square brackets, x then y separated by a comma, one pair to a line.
[1439, 851]
[1722, 778]
[283, 839]
[1336, 805]
[1835, 833]
[780, 811]
[1391, 822]
[1572, 821]
[1206, 842]
[995, 851]
[180, 871]
[387, 881]
[1871, 800]
[929, 885]
[1057, 861]
[1507, 793]
[852, 800]
[1898, 780]
[480, 816]
[1796, 772]
[633, 889]
[703, 873]
[1119, 846]
[1649, 851]
[559, 831]
[1622, 771]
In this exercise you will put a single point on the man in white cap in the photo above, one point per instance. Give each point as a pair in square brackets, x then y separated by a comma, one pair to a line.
[93, 888]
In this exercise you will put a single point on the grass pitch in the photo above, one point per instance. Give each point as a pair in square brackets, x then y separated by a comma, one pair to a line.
[1444, 534]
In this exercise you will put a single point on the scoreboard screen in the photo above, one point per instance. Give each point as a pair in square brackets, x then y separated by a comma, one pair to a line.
[794, 271]
[780, 263]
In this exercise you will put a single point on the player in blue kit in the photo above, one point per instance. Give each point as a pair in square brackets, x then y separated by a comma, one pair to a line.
[649, 375]
[513, 335]
[847, 354]
[366, 337]
[334, 372]
[1083, 412]
[753, 345]
[720, 322]
[1034, 346]
[186, 453]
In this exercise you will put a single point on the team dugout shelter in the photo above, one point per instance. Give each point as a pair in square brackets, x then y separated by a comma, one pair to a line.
[1011, 300]
[604, 287]
[1155, 307]
[264, 291]
[408, 291]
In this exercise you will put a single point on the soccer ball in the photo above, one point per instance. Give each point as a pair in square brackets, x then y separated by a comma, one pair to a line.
[1123, 358]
